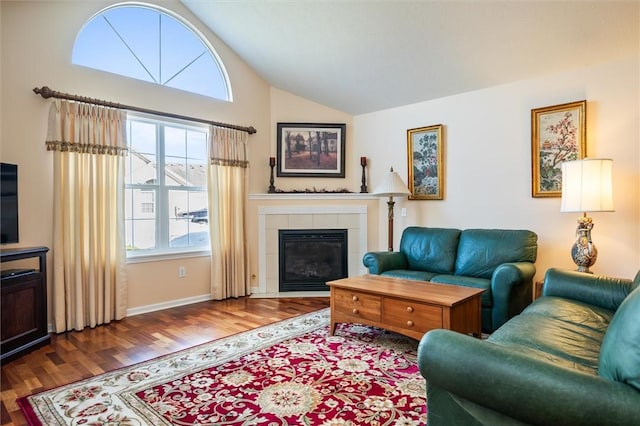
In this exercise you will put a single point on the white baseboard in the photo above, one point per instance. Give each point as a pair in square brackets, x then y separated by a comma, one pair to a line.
[166, 305]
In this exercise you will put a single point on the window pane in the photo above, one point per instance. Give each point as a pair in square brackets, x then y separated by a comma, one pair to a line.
[175, 142]
[188, 234]
[99, 47]
[179, 49]
[197, 145]
[189, 223]
[141, 234]
[141, 169]
[143, 46]
[199, 78]
[198, 205]
[175, 171]
[197, 173]
[144, 198]
[191, 205]
[140, 219]
[142, 137]
[197, 158]
[141, 162]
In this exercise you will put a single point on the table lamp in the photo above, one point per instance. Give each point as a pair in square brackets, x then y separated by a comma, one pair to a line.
[586, 187]
[391, 185]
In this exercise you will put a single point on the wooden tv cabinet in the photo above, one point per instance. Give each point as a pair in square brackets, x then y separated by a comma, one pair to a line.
[407, 307]
[23, 303]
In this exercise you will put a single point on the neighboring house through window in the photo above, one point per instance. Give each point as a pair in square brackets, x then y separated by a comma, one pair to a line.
[166, 186]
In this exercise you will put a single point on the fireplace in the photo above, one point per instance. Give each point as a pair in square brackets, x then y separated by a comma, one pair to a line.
[308, 258]
[272, 219]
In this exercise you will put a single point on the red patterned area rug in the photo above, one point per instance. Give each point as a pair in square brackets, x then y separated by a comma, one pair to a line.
[288, 373]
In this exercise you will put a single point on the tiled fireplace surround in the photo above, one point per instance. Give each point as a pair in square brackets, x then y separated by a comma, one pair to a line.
[271, 219]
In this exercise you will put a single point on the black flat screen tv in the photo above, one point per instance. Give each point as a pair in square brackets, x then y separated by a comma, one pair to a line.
[8, 203]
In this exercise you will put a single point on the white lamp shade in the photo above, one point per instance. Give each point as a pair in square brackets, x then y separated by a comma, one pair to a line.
[587, 185]
[391, 185]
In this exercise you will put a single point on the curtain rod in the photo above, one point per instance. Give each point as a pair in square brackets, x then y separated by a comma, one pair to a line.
[47, 93]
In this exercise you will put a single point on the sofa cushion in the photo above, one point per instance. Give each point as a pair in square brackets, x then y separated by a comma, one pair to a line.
[481, 251]
[409, 275]
[430, 249]
[620, 353]
[571, 339]
[486, 299]
[572, 311]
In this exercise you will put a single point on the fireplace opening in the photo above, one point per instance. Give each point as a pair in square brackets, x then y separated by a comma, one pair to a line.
[308, 258]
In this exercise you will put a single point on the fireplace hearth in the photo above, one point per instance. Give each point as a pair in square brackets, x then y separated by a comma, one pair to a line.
[308, 258]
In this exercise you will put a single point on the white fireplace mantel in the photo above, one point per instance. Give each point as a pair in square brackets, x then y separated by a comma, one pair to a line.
[274, 218]
[313, 196]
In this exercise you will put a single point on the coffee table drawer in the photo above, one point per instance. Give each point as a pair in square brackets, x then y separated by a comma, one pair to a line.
[357, 305]
[410, 315]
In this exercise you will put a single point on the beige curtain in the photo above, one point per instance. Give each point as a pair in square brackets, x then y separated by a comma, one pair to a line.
[227, 188]
[89, 255]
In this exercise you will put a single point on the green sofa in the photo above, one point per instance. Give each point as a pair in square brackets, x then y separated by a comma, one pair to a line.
[500, 261]
[571, 358]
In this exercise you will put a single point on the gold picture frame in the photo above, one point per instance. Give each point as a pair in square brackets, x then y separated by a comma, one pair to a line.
[425, 163]
[558, 134]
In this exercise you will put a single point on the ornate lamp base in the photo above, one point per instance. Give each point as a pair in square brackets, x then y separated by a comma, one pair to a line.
[583, 252]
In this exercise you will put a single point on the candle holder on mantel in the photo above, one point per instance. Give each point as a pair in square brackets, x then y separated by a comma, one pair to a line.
[272, 163]
[363, 187]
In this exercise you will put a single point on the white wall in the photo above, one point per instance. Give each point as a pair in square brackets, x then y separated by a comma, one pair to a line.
[487, 165]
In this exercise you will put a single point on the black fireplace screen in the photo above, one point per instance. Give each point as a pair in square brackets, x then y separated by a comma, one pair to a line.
[308, 258]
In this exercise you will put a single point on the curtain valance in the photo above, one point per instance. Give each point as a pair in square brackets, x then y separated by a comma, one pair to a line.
[86, 128]
[228, 147]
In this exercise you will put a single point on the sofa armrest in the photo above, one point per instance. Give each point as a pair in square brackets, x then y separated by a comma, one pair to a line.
[520, 386]
[380, 261]
[606, 292]
[511, 288]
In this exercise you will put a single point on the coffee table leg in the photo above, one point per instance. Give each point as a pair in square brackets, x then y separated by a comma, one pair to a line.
[332, 328]
[478, 332]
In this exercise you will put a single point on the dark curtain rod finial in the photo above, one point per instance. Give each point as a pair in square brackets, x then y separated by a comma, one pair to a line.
[47, 93]
[44, 91]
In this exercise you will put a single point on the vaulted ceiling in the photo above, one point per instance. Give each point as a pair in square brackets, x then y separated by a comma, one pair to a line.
[360, 56]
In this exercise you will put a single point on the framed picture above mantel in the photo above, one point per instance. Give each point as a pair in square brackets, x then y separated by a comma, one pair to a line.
[558, 134]
[310, 150]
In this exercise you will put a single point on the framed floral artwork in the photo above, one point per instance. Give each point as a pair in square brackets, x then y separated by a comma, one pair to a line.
[424, 149]
[558, 134]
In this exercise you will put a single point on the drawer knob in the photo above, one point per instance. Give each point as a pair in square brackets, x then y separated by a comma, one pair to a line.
[409, 323]
[354, 298]
[355, 311]
[409, 309]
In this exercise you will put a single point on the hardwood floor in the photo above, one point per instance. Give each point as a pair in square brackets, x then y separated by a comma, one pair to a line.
[76, 355]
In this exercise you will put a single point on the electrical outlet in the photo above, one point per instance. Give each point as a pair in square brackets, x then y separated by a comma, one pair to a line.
[403, 212]
[182, 272]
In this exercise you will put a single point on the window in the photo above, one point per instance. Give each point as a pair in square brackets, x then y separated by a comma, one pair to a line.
[151, 44]
[165, 186]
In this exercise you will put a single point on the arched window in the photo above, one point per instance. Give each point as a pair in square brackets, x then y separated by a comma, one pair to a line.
[154, 45]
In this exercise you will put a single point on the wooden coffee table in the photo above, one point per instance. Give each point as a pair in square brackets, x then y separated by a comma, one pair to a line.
[407, 307]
